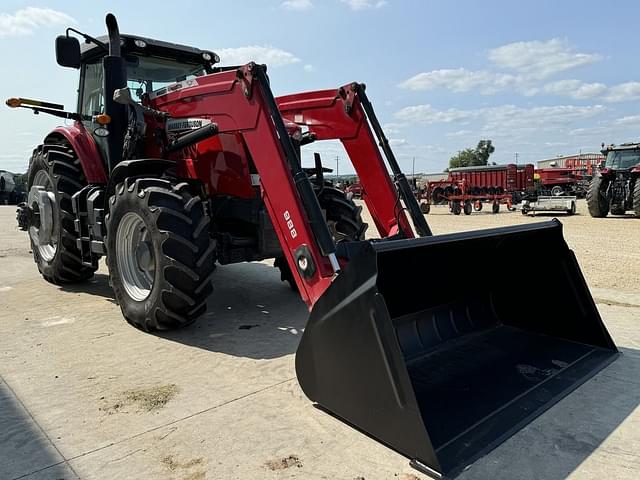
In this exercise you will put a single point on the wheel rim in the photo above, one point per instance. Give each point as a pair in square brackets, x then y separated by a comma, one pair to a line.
[134, 253]
[47, 250]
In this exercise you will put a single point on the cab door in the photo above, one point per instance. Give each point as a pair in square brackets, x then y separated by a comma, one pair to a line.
[91, 101]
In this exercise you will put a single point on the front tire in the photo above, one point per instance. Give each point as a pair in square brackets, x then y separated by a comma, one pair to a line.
[55, 168]
[597, 202]
[160, 253]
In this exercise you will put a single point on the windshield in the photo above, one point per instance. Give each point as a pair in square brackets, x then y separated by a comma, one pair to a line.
[622, 159]
[147, 74]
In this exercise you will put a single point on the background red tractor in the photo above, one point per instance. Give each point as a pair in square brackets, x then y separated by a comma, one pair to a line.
[174, 164]
[616, 187]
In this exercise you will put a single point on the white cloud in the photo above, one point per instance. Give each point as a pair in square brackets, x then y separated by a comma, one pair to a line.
[540, 59]
[575, 89]
[623, 92]
[392, 128]
[459, 133]
[309, 68]
[589, 132]
[26, 20]
[503, 119]
[527, 64]
[398, 142]
[459, 80]
[300, 5]
[364, 4]
[273, 57]
[510, 117]
[427, 114]
[629, 120]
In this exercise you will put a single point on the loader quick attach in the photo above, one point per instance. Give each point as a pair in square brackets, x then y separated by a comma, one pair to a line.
[197, 164]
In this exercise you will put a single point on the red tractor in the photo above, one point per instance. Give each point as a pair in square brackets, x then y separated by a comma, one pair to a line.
[616, 187]
[173, 163]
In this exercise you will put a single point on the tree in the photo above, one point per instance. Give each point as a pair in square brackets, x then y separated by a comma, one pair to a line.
[485, 149]
[464, 158]
[471, 157]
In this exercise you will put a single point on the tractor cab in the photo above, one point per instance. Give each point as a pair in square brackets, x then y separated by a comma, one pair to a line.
[145, 66]
[623, 157]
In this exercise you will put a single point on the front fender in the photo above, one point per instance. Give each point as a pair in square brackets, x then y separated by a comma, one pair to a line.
[85, 147]
[153, 167]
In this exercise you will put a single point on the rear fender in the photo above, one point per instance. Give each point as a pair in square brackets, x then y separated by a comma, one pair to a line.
[85, 147]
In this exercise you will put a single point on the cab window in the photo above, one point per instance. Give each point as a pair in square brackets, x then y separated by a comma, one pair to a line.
[92, 95]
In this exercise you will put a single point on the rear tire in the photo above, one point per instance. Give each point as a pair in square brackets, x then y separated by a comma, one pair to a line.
[468, 207]
[636, 198]
[597, 202]
[572, 210]
[164, 285]
[59, 167]
[344, 219]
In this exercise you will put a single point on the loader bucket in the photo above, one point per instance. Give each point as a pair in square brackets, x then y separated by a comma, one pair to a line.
[409, 346]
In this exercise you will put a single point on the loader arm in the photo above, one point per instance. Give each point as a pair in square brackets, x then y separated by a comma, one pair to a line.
[240, 101]
[346, 114]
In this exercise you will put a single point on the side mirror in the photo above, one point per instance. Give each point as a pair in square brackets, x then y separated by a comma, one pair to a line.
[122, 96]
[68, 51]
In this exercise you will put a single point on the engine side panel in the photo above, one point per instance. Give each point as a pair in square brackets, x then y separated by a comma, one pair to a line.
[221, 163]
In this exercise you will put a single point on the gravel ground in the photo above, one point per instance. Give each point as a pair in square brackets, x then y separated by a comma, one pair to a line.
[85, 395]
[608, 249]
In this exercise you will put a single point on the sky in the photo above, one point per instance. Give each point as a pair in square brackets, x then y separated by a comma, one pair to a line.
[539, 78]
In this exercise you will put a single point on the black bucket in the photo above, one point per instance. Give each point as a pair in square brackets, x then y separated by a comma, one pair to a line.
[441, 369]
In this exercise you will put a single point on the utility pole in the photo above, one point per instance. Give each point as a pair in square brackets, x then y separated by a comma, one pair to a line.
[337, 167]
[413, 168]
[516, 155]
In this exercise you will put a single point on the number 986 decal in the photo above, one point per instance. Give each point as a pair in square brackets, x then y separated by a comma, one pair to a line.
[292, 230]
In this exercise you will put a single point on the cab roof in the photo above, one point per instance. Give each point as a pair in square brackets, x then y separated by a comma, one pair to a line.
[622, 146]
[153, 47]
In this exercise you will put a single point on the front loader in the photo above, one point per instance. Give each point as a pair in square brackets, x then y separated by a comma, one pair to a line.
[173, 164]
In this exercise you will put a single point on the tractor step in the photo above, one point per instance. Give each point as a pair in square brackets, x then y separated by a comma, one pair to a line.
[89, 223]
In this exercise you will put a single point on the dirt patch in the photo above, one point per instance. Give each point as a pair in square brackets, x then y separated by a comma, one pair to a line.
[199, 475]
[143, 399]
[409, 476]
[173, 463]
[284, 463]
